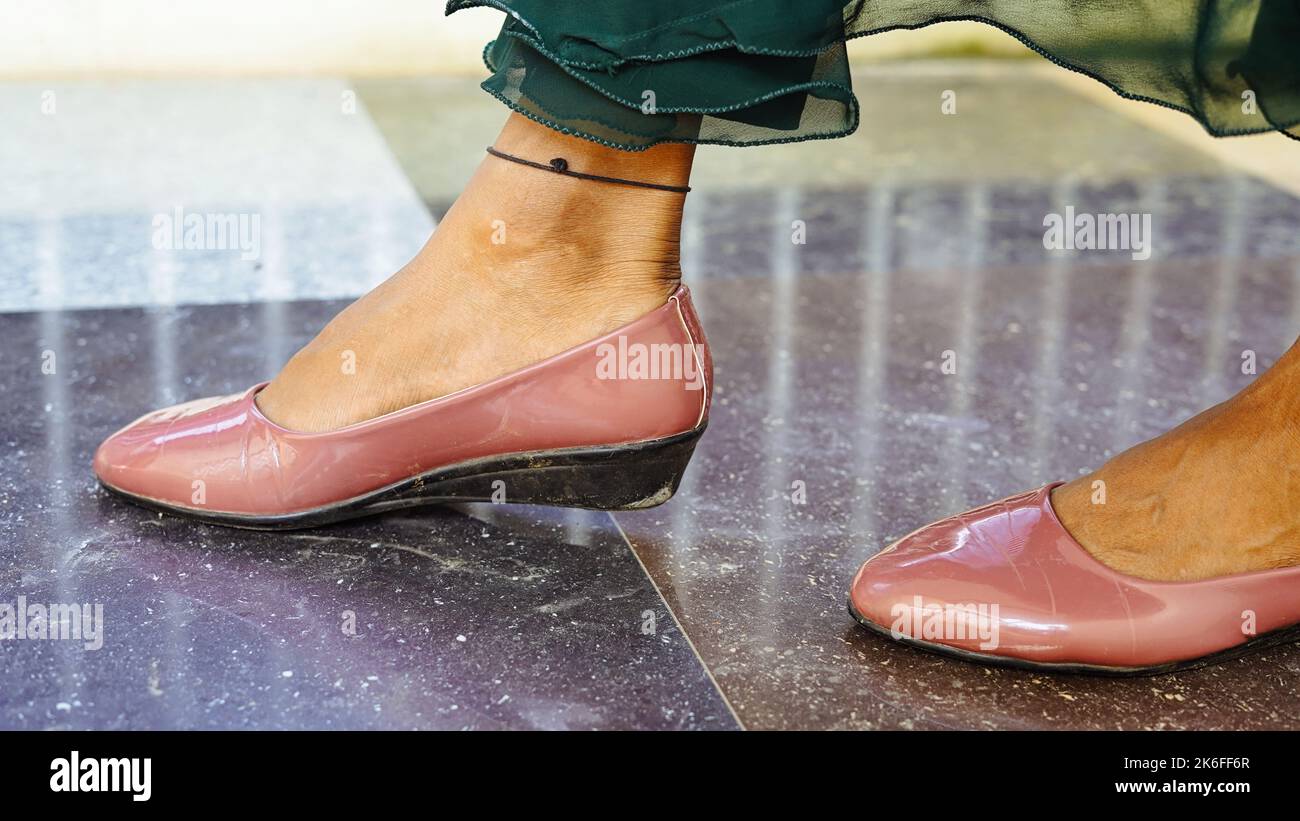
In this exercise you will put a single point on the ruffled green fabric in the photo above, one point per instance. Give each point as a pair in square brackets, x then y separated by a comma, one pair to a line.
[633, 73]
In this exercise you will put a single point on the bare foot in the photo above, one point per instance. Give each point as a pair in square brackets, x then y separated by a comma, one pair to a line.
[525, 265]
[1217, 495]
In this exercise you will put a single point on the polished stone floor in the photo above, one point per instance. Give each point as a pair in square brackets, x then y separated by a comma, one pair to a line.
[834, 427]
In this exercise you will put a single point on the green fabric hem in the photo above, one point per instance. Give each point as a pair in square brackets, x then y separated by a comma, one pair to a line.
[574, 132]
[845, 95]
[652, 57]
[781, 92]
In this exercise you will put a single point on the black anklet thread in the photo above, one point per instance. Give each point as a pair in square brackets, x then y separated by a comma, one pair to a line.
[559, 165]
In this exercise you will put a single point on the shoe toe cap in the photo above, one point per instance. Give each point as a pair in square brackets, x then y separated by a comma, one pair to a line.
[156, 457]
[958, 582]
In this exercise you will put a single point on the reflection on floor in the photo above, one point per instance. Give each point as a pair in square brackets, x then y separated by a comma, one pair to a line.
[834, 430]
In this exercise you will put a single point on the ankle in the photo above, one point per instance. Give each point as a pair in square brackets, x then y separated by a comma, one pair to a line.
[544, 242]
[576, 234]
[664, 164]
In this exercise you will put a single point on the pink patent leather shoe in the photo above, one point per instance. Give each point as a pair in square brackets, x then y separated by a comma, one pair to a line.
[610, 424]
[1007, 584]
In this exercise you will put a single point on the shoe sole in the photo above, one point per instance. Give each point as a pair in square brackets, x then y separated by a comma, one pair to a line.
[609, 477]
[1285, 635]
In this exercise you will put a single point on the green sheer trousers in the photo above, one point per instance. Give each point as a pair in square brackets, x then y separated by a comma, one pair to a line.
[633, 73]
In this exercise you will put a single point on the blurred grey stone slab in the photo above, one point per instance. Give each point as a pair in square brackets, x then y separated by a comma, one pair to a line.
[93, 171]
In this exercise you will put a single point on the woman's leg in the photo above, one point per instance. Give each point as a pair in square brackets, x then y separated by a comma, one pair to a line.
[1140, 567]
[526, 264]
[1217, 495]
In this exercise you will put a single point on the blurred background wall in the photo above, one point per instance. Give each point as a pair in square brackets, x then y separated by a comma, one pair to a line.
[51, 38]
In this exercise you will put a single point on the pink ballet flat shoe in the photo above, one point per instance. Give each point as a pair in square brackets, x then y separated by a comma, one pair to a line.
[1007, 584]
[609, 425]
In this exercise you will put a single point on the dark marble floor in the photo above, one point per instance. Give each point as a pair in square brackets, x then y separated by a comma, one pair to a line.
[834, 430]
[834, 433]
[480, 616]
